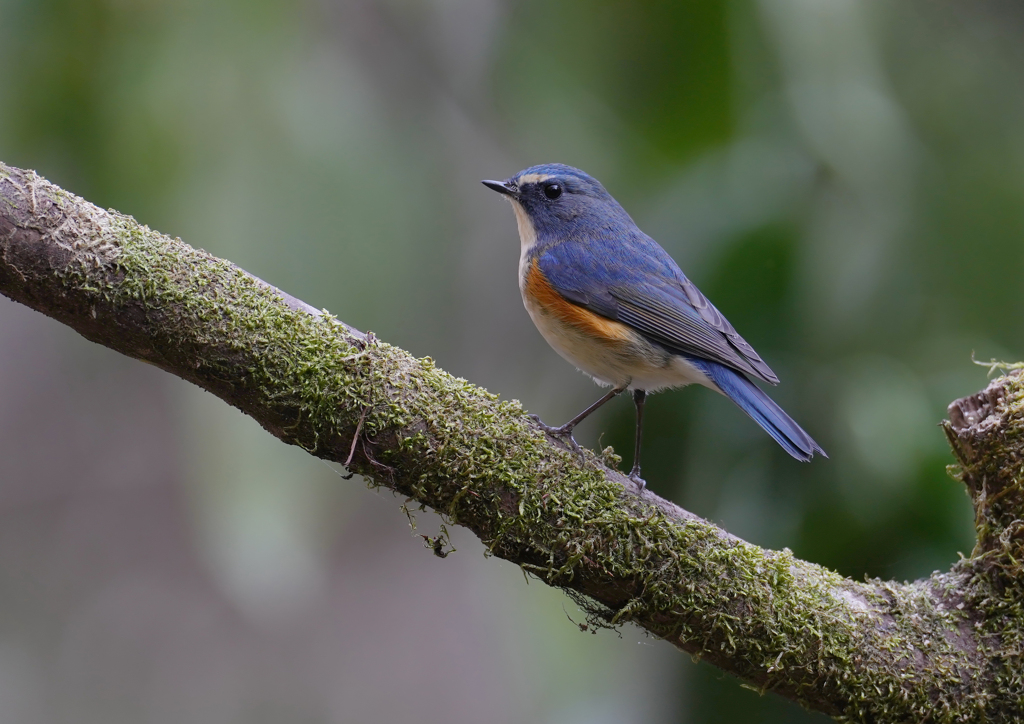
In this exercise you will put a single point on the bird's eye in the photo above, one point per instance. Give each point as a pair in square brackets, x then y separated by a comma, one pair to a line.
[553, 191]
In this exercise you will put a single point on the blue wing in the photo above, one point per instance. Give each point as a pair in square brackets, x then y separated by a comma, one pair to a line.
[631, 279]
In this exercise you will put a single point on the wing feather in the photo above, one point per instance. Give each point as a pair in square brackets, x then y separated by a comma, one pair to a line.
[651, 294]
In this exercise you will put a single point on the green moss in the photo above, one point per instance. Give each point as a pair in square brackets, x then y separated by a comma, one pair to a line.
[991, 468]
[874, 651]
[778, 620]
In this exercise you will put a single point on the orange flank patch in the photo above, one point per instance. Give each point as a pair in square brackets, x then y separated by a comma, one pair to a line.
[582, 320]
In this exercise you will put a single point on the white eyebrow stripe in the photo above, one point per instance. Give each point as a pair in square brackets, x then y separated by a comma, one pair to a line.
[532, 178]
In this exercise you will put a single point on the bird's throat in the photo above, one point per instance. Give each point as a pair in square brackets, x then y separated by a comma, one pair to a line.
[527, 231]
[527, 238]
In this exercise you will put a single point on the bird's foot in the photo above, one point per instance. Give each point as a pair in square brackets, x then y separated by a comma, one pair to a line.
[634, 475]
[564, 432]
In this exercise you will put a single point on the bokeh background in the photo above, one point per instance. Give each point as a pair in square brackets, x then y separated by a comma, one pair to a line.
[845, 180]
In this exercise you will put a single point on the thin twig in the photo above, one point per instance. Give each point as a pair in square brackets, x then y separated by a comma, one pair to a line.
[355, 438]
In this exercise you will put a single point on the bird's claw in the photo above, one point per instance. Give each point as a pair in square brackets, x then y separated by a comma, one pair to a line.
[563, 432]
[634, 475]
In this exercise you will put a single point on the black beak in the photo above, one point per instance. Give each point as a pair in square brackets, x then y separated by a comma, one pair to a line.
[502, 187]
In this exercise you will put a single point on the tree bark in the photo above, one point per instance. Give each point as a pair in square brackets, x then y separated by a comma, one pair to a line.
[944, 649]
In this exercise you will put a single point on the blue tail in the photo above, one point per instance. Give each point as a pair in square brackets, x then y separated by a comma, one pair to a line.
[761, 408]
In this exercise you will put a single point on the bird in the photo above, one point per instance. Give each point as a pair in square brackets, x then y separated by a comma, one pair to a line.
[616, 305]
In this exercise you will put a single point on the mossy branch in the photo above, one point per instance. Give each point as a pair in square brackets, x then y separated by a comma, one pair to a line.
[944, 649]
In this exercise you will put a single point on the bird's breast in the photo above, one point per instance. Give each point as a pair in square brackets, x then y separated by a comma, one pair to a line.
[542, 297]
[609, 351]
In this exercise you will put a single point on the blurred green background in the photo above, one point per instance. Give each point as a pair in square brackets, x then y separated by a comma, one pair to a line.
[844, 180]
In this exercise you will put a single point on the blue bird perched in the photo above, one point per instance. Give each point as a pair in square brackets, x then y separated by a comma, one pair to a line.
[612, 302]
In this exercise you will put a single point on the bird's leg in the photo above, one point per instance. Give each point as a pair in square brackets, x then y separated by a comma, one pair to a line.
[639, 396]
[565, 431]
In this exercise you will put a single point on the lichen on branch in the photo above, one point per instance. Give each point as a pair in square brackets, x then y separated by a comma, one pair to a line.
[942, 649]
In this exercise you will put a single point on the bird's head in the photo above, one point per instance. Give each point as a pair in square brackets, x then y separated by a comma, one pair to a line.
[553, 195]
